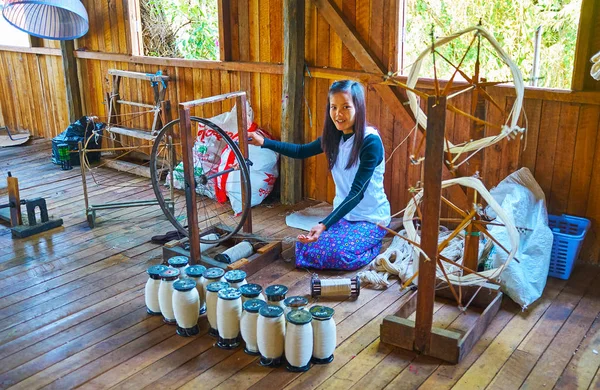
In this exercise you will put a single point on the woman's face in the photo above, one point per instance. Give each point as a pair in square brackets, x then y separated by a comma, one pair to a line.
[342, 111]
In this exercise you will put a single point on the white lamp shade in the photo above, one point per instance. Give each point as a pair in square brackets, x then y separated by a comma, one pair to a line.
[50, 19]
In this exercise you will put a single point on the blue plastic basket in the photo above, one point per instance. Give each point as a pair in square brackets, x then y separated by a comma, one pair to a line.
[569, 233]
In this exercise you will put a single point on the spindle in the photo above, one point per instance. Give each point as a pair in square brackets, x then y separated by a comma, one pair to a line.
[196, 272]
[298, 340]
[151, 290]
[212, 296]
[229, 314]
[270, 335]
[248, 324]
[186, 304]
[324, 334]
[335, 287]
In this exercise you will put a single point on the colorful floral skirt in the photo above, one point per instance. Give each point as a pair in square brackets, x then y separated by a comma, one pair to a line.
[345, 245]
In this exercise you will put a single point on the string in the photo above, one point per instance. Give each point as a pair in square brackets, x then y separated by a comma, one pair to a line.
[336, 287]
[186, 306]
[229, 313]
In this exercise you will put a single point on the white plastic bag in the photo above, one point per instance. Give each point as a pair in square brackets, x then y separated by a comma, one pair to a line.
[523, 199]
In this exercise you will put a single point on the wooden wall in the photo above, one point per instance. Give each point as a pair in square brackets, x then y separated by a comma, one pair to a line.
[562, 148]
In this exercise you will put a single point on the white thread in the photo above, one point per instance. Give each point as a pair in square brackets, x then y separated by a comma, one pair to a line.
[211, 308]
[165, 299]
[204, 247]
[324, 338]
[248, 327]
[186, 305]
[229, 313]
[276, 303]
[239, 251]
[151, 295]
[200, 289]
[206, 282]
[239, 284]
[298, 344]
[336, 287]
[270, 336]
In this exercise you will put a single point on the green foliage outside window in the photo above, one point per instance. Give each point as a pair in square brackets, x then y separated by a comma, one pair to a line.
[181, 28]
[512, 22]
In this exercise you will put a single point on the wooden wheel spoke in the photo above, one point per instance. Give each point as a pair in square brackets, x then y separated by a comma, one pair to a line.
[483, 229]
[454, 207]
[449, 85]
[462, 267]
[473, 118]
[463, 74]
[490, 99]
[468, 219]
[458, 299]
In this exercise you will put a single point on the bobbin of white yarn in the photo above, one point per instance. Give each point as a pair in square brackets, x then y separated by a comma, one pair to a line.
[186, 304]
[180, 263]
[298, 340]
[248, 324]
[151, 290]
[324, 334]
[292, 303]
[214, 274]
[270, 335]
[252, 291]
[235, 253]
[229, 314]
[335, 287]
[165, 294]
[236, 278]
[204, 247]
[195, 273]
[212, 296]
[276, 294]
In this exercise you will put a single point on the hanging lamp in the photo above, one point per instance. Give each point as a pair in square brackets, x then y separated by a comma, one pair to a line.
[49, 19]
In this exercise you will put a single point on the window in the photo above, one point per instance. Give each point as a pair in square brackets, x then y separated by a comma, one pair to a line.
[180, 28]
[10, 35]
[514, 25]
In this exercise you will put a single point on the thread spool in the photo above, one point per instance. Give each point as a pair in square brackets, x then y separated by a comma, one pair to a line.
[180, 263]
[196, 272]
[214, 274]
[252, 291]
[270, 335]
[298, 340]
[276, 295]
[236, 278]
[249, 323]
[324, 334]
[335, 287]
[151, 290]
[235, 253]
[186, 304]
[212, 296]
[212, 236]
[229, 314]
[294, 303]
[165, 294]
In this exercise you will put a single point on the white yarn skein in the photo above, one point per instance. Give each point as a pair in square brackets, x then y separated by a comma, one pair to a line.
[229, 313]
[248, 328]
[165, 299]
[298, 344]
[336, 287]
[151, 295]
[186, 305]
[239, 251]
[324, 338]
[270, 336]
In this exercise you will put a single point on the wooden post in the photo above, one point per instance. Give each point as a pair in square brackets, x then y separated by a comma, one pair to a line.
[71, 81]
[432, 192]
[292, 124]
[242, 121]
[225, 30]
[14, 199]
[187, 142]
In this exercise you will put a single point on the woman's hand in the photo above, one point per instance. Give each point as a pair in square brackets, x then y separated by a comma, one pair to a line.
[313, 235]
[255, 138]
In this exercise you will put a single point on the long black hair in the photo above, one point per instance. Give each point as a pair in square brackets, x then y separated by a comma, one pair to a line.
[330, 140]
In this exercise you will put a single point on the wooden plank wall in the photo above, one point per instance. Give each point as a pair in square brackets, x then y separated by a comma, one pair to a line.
[562, 148]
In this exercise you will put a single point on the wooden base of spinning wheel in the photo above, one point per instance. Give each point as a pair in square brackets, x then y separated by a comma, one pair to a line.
[264, 252]
[448, 345]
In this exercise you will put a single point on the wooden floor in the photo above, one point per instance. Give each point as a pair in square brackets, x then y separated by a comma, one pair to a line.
[72, 312]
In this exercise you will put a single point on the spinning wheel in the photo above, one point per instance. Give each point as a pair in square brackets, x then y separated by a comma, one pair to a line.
[212, 178]
[457, 154]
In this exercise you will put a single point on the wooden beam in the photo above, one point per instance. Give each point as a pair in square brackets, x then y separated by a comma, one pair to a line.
[71, 81]
[225, 30]
[584, 50]
[242, 120]
[14, 197]
[292, 124]
[432, 193]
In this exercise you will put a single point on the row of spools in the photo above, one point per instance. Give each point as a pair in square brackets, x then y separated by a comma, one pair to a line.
[238, 310]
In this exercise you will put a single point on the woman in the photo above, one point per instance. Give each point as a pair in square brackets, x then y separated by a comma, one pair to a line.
[349, 237]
